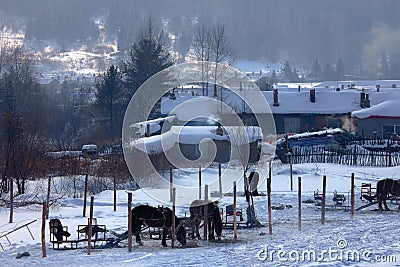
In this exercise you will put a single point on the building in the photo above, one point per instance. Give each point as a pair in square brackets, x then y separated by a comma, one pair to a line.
[379, 121]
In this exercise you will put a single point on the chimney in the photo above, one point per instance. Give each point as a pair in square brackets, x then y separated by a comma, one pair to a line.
[362, 98]
[276, 102]
[312, 95]
[148, 132]
[366, 102]
[378, 87]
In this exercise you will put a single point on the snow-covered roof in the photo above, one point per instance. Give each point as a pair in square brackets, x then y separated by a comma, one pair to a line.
[389, 108]
[154, 125]
[194, 135]
[327, 101]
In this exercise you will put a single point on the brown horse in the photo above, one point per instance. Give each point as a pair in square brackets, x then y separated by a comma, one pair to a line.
[384, 188]
[197, 212]
[160, 217]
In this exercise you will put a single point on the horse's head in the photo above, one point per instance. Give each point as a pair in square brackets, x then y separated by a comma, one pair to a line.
[181, 233]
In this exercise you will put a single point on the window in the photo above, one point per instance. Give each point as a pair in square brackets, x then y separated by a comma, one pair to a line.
[334, 123]
[389, 130]
[292, 124]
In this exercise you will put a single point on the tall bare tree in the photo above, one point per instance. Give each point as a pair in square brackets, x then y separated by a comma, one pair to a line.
[202, 49]
[221, 50]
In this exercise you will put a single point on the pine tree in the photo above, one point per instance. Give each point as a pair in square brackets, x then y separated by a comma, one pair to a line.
[110, 99]
[147, 57]
[316, 70]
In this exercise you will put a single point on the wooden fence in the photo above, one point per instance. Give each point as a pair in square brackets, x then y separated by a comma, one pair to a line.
[352, 155]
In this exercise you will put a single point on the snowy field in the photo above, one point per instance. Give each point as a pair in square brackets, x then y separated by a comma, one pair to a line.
[371, 236]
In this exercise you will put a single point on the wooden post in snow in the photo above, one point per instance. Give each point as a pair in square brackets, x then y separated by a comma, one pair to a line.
[130, 222]
[234, 212]
[115, 193]
[48, 197]
[323, 204]
[220, 179]
[352, 195]
[173, 218]
[85, 196]
[11, 187]
[205, 211]
[291, 171]
[299, 201]
[269, 206]
[90, 224]
[171, 177]
[200, 182]
[43, 235]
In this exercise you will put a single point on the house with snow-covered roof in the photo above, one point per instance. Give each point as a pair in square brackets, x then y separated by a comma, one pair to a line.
[381, 120]
[294, 110]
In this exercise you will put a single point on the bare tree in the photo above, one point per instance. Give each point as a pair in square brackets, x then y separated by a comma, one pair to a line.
[21, 119]
[202, 49]
[221, 50]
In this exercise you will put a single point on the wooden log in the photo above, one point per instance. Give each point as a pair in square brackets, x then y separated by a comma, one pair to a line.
[43, 228]
[299, 203]
[130, 222]
[90, 224]
[323, 203]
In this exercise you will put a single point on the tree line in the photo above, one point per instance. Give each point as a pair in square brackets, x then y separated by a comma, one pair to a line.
[36, 119]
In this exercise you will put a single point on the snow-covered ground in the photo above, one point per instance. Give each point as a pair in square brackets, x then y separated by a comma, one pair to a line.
[369, 235]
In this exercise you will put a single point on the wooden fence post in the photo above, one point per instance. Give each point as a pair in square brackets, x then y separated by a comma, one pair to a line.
[170, 184]
[234, 212]
[90, 224]
[291, 171]
[130, 222]
[48, 197]
[85, 195]
[173, 218]
[115, 193]
[11, 187]
[220, 179]
[299, 201]
[352, 195]
[200, 182]
[205, 211]
[43, 235]
[323, 200]
[269, 205]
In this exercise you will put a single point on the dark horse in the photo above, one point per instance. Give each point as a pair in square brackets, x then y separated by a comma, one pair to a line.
[384, 188]
[160, 217]
[197, 211]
